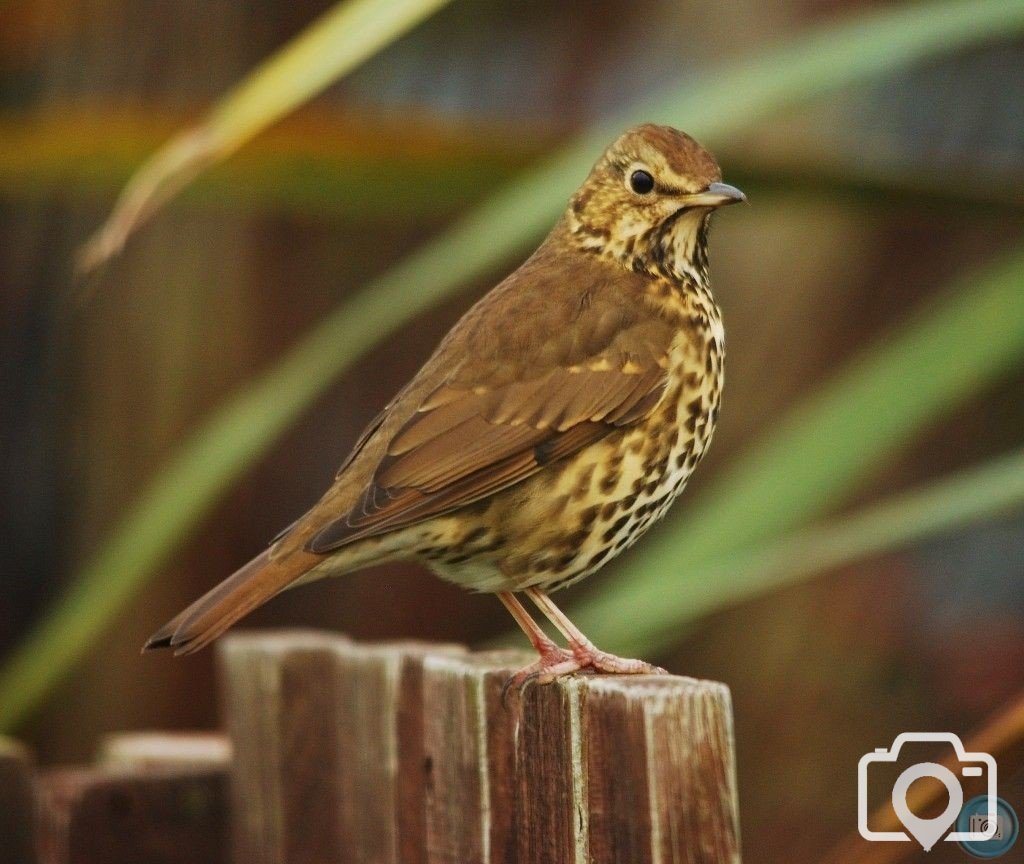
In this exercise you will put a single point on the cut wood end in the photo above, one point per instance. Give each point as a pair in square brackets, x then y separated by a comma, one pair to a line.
[274, 642]
[165, 749]
[651, 686]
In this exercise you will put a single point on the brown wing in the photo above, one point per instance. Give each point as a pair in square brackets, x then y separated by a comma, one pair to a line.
[464, 444]
[560, 354]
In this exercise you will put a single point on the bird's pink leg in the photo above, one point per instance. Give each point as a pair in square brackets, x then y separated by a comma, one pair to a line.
[588, 655]
[554, 661]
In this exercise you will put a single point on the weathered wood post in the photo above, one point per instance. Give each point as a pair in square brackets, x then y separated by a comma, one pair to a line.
[157, 798]
[402, 754]
[328, 738]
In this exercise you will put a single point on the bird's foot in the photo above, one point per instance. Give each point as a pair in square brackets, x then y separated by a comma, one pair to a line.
[554, 662]
[592, 658]
[582, 657]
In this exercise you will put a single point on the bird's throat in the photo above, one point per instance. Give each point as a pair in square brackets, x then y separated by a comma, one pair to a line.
[680, 249]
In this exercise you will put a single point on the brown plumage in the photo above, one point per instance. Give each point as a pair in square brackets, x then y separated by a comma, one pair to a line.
[556, 421]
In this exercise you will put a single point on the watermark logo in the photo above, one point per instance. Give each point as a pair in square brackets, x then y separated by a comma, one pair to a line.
[974, 819]
[928, 832]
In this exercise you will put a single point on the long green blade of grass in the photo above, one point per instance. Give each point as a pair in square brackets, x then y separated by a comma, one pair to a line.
[247, 425]
[345, 36]
[820, 452]
[946, 505]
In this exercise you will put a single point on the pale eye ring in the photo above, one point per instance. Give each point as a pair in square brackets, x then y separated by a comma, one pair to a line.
[641, 181]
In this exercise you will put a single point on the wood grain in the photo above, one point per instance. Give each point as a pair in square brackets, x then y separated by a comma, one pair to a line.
[328, 748]
[154, 807]
[406, 753]
[469, 750]
[637, 769]
[660, 768]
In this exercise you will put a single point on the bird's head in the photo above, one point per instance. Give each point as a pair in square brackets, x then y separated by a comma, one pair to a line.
[647, 202]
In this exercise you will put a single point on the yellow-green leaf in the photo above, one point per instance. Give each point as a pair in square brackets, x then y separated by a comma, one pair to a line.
[345, 36]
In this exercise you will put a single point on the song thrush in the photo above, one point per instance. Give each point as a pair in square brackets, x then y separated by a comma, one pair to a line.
[554, 424]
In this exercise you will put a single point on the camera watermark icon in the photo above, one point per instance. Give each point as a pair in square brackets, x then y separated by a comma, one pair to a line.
[974, 818]
[928, 832]
[979, 824]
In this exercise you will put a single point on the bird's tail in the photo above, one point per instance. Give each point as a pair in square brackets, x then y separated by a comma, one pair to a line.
[235, 597]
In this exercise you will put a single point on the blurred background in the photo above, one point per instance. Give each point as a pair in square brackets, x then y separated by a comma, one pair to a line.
[862, 568]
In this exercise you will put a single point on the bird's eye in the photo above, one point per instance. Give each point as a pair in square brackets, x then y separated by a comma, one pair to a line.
[641, 182]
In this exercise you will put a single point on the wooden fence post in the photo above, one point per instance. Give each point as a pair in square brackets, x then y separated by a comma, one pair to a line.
[404, 754]
[628, 769]
[328, 740]
[152, 802]
[470, 758]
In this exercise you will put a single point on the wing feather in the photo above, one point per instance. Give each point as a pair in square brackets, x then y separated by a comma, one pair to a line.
[469, 444]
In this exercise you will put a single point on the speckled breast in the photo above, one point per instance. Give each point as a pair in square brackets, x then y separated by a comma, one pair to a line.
[566, 522]
[636, 478]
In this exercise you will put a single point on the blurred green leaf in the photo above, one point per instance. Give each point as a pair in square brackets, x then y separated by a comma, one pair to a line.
[817, 455]
[248, 424]
[346, 35]
[347, 164]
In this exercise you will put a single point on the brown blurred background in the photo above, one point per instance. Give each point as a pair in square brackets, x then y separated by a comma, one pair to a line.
[827, 260]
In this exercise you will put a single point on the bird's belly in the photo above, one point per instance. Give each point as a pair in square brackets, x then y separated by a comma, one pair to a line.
[606, 523]
[569, 520]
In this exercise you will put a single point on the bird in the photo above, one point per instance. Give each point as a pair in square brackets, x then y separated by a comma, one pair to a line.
[554, 424]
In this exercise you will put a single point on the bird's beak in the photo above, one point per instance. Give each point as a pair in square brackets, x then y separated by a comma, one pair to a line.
[716, 195]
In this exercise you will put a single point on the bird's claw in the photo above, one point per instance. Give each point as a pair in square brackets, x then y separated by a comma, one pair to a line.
[551, 665]
[595, 659]
[582, 658]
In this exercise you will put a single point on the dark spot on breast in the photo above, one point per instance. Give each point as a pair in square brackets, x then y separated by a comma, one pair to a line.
[475, 534]
[589, 516]
[598, 557]
[583, 485]
[578, 538]
[617, 526]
